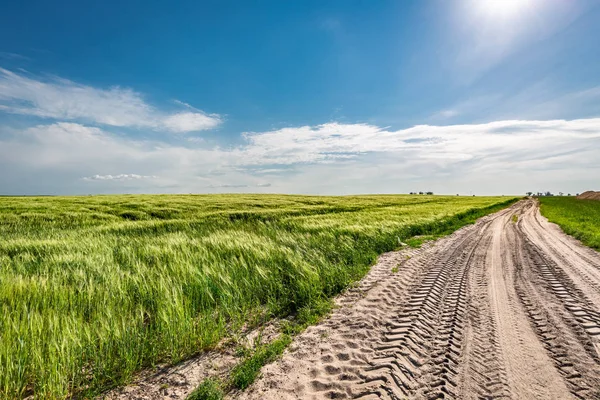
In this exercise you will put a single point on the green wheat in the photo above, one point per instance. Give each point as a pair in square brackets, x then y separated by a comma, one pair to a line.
[95, 288]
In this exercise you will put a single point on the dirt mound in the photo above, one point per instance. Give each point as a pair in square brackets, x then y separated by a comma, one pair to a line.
[589, 195]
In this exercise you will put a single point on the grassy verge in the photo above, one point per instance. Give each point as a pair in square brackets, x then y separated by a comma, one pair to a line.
[96, 288]
[209, 389]
[253, 359]
[578, 218]
[246, 372]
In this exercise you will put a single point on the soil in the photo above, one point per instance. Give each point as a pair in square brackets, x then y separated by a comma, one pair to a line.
[498, 309]
[589, 195]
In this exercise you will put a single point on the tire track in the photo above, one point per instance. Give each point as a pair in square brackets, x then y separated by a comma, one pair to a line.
[561, 316]
[530, 371]
[582, 264]
[496, 310]
[421, 349]
[486, 367]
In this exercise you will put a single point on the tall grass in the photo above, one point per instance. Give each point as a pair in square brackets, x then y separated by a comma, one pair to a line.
[95, 288]
[578, 218]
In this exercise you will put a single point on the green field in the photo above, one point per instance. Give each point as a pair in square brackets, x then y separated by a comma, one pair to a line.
[578, 218]
[96, 288]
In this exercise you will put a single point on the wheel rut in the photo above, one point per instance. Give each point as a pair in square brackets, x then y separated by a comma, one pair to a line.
[497, 310]
[563, 318]
[421, 351]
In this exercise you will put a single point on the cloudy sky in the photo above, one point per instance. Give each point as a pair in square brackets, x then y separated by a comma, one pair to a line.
[315, 97]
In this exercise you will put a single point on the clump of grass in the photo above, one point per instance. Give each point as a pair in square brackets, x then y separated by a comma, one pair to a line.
[209, 389]
[578, 218]
[515, 218]
[253, 359]
[96, 288]
[246, 371]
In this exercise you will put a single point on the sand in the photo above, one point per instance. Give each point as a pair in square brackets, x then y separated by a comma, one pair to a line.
[496, 310]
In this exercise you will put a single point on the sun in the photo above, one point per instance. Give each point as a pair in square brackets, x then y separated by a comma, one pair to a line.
[502, 8]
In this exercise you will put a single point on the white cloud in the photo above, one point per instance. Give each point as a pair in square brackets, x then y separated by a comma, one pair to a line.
[517, 140]
[498, 157]
[227, 186]
[118, 177]
[66, 100]
[53, 159]
[190, 121]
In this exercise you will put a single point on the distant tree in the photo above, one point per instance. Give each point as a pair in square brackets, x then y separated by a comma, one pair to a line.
[429, 193]
[569, 194]
[420, 192]
[560, 193]
[457, 194]
[548, 194]
[529, 193]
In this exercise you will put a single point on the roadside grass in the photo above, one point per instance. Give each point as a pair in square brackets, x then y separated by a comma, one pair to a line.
[578, 218]
[96, 288]
[209, 389]
[252, 359]
[246, 371]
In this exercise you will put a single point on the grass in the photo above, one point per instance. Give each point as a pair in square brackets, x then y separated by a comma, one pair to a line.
[209, 389]
[254, 357]
[96, 288]
[578, 218]
[246, 372]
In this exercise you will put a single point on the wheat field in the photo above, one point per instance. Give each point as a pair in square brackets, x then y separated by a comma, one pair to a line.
[95, 288]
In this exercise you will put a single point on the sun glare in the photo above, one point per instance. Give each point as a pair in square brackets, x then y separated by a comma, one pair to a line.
[502, 8]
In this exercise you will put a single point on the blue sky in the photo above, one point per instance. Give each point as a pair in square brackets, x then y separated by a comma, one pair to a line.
[320, 97]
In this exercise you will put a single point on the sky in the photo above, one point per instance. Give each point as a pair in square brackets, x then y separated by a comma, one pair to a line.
[483, 97]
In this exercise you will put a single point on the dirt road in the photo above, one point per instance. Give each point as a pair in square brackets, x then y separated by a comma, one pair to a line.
[506, 308]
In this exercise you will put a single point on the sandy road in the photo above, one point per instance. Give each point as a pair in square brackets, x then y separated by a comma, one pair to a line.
[499, 309]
